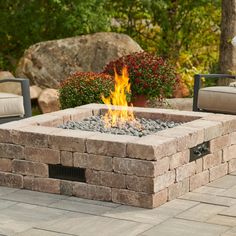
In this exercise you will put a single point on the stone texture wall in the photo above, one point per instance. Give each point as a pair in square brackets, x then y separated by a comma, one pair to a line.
[144, 172]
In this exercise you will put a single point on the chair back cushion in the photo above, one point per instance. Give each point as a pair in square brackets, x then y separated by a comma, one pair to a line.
[11, 105]
[218, 99]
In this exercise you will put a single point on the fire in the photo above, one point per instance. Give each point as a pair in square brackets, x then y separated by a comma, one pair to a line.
[116, 118]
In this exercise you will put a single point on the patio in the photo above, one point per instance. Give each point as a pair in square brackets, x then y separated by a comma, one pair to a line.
[208, 210]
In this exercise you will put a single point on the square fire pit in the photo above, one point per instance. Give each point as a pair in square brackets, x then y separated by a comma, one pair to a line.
[140, 171]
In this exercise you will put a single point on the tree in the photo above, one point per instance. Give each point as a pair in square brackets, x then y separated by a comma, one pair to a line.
[228, 31]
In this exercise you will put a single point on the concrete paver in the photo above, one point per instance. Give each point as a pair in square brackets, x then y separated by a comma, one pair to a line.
[31, 197]
[231, 192]
[222, 220]
[209, 198]
[231, 232]
[180, 227]
[77, 206]
[85, 225]
[21, 216]
[154, 216]
[227, 181]
[209, 190]
[208, 211]
[201, 212]
[41, 232]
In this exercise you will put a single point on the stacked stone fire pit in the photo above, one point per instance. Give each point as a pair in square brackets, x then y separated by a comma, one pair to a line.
[142, 171]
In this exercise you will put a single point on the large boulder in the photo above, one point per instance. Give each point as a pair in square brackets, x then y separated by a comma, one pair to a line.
[46, 64]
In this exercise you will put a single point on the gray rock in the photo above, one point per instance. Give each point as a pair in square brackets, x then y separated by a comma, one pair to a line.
[131, 128]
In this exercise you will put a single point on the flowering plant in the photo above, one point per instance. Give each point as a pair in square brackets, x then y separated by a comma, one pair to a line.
[84, 87]
[149, 75]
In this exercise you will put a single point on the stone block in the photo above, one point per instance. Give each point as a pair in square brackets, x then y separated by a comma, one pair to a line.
[7, 135]
[5, 165]
[185, 171]
[80, 190]
[199, 165]
[108, 179]
[69, 140]
[186, 137]
[164, 181]
[42, 184]
[212, 159]
[134, 167]
[228, 121]
[132, 198]
[162, 166]
[219, 143]
[29, 168]
[212, 129]
[233, 138]
[42, 155]
[152, 147]
[229, 153]
[232, 165]
[66, 187]
[92, 191]
[81, 114]
[160, 198]
[96, 162]
[67, 158]
[108, 144]
[11, 180]
[178, 189]
[50, 121]
[11, 151]
[32, 138]
[199, 180]
[179, 159]
[140, 184]
[218, 171]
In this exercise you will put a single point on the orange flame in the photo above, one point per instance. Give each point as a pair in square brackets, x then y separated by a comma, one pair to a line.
[118, 98]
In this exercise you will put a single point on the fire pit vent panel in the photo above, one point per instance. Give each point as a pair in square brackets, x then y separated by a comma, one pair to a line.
[67, 173]
[199, 151]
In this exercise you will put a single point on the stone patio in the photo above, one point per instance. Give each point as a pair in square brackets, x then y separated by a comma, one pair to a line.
[207, 211]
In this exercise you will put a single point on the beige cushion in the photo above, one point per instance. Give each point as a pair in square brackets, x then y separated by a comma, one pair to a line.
[11, 105]
[218, 99]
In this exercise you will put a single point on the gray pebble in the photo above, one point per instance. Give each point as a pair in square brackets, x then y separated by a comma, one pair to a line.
[140, 127]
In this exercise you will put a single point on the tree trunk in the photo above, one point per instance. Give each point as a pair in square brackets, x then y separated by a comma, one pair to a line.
[228, 31]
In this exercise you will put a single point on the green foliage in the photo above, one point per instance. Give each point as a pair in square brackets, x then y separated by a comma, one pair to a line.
[174, 29]
[149, 75]
[184, 31]
[83, 88]
[23, 23]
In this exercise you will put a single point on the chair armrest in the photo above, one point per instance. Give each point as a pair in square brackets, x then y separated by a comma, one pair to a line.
[197, 84]
[25, 93]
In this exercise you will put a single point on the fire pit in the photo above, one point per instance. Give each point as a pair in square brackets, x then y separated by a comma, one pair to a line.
[136, 156]
[142, 171]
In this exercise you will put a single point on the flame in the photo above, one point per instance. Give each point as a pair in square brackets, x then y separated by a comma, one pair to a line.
[116, 118]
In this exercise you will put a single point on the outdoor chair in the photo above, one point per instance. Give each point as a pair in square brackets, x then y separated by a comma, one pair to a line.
[12, 106]
[219, 99]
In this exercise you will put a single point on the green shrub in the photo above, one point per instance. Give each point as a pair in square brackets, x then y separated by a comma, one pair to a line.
[149, 75]
[84, 87]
